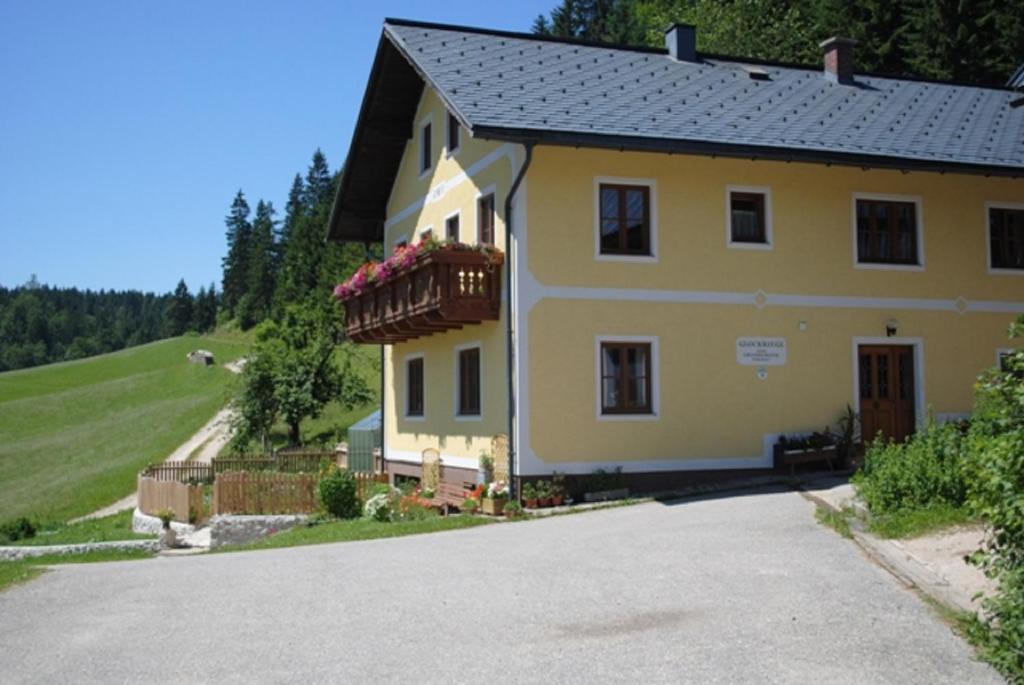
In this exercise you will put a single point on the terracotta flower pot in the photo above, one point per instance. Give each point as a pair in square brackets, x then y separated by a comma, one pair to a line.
[531, 503]
[556, 500]
[545, 501]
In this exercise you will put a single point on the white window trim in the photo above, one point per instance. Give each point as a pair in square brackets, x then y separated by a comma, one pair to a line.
[994, 271]
[422, 232]
[920, 406]
[449, 153]
[655, 385]
[768, 233]
[405, 370]
[919, 216]
[423, 123]
[398, 239]
[484, 192]
[444, 222]
[652, 187]
[455, 375]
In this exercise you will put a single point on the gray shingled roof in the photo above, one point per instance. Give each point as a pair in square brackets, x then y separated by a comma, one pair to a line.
[499, 83]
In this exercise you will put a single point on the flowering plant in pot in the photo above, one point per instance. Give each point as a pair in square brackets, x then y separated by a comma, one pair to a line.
[169, 538]
[544, 493]
[513, 509]
[557, 489]
[530, 495]
[495, 498]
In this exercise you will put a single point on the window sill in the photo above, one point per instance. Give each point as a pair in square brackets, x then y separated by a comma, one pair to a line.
[643, 259]
[469, 417]
[628, 417]
[417, 418]
[748, 245]
[883, 266]
[1005, 271]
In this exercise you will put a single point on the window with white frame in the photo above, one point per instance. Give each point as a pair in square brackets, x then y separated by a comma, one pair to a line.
[414, 390]
[887, 231]
[468, 381]
[749, 217]
[454, 134]
[1006, 237]
[426, 154]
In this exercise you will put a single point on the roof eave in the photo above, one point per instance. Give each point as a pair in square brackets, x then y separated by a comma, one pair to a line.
[739, 151]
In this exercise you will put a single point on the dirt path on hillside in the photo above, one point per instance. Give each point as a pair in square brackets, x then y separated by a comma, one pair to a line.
[202, 447]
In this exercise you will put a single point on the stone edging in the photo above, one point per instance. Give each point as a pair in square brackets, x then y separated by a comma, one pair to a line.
[907, 569]
[144, 523]
[28, 551]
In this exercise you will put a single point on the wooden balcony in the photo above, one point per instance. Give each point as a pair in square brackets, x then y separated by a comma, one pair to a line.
[444, 290]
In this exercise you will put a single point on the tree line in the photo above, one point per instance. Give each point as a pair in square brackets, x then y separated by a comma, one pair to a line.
[40, 324]
[981, 41]
[271, 264]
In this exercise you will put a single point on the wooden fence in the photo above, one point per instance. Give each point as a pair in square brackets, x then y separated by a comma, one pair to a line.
[292, 462]
[180, 471]
[186, 501]
[264, 492]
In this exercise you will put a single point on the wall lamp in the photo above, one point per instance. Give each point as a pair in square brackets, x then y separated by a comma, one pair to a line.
[890, 327]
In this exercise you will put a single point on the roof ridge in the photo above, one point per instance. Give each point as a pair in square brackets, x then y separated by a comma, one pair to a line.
[662, 51]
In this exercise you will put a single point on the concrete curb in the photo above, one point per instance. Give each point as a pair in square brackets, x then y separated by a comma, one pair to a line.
[26, 552]
[891, 556]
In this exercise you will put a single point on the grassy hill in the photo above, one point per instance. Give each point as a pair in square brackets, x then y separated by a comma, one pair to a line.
[74, 435]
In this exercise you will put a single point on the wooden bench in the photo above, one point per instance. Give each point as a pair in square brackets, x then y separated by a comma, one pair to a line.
[449, 495]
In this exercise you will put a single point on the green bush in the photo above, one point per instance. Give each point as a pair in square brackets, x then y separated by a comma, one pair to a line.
[17, 529]
[996, 447]
[339, 493]
[928, 469]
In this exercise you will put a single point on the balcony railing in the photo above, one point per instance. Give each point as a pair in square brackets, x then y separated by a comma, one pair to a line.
[442, 290]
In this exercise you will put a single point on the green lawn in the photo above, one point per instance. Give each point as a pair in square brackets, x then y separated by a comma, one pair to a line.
[109, 528]
[360, 529]
[12, 572]
[912, 523]
[74, 435]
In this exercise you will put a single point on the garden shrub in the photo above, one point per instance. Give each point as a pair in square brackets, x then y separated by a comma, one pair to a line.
[928, 469]
[339, 493]
[996, 448]
[379, 507]
[17, 529]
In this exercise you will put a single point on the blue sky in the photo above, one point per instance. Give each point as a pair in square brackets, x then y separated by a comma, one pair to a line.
[126, 127]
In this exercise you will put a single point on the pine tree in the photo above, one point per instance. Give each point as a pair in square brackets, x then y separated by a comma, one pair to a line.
[204, 311]
[609, 21]
[261, 277]
[318, 183]
[236, 263]
[178, 317]
[293, 213]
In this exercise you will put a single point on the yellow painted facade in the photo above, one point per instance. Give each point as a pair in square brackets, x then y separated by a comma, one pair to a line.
[693, 299]
[421, 201]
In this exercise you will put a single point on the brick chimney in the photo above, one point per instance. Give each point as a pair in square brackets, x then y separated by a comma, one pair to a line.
[681, 41]
[839, 60]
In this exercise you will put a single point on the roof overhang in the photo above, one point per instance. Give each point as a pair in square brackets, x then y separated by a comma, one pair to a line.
[738, 151]
[382, 130]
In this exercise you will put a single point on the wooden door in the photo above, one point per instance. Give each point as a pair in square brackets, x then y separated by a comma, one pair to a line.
[886, 379]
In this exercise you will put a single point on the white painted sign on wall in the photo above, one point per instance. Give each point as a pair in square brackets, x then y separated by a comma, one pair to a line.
[761, 351]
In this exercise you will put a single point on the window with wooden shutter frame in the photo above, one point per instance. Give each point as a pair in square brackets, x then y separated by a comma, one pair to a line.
[469, 382]
[747, 217]
[485, 219]
[1006, 238]
[414, 387]
[426, 154]
[626, 378]
[625, 221]
[887, 232]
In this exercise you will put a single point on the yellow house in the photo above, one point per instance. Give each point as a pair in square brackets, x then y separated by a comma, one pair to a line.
[692, 255]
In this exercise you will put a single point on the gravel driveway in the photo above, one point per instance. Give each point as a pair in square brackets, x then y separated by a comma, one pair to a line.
[739, 589]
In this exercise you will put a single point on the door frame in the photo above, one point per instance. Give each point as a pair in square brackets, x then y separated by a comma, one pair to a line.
[920, 408]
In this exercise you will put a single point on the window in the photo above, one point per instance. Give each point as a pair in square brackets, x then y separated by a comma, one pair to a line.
[401, 243]
[1006, 238]
[485, 219]
[747, 218]
[426, 156]
[453, 134]
[451, 228]
[626, 378]
[887, 232]
[469, 382]
[414, 387]
[625, 220]
[427, 233]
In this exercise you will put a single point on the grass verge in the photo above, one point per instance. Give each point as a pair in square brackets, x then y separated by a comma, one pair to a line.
[23, 570]
[912, 523]
[359, 529]
[109, 528]
[839, 521]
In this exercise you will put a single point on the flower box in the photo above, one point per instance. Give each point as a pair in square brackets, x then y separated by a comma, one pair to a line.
[493, 507]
